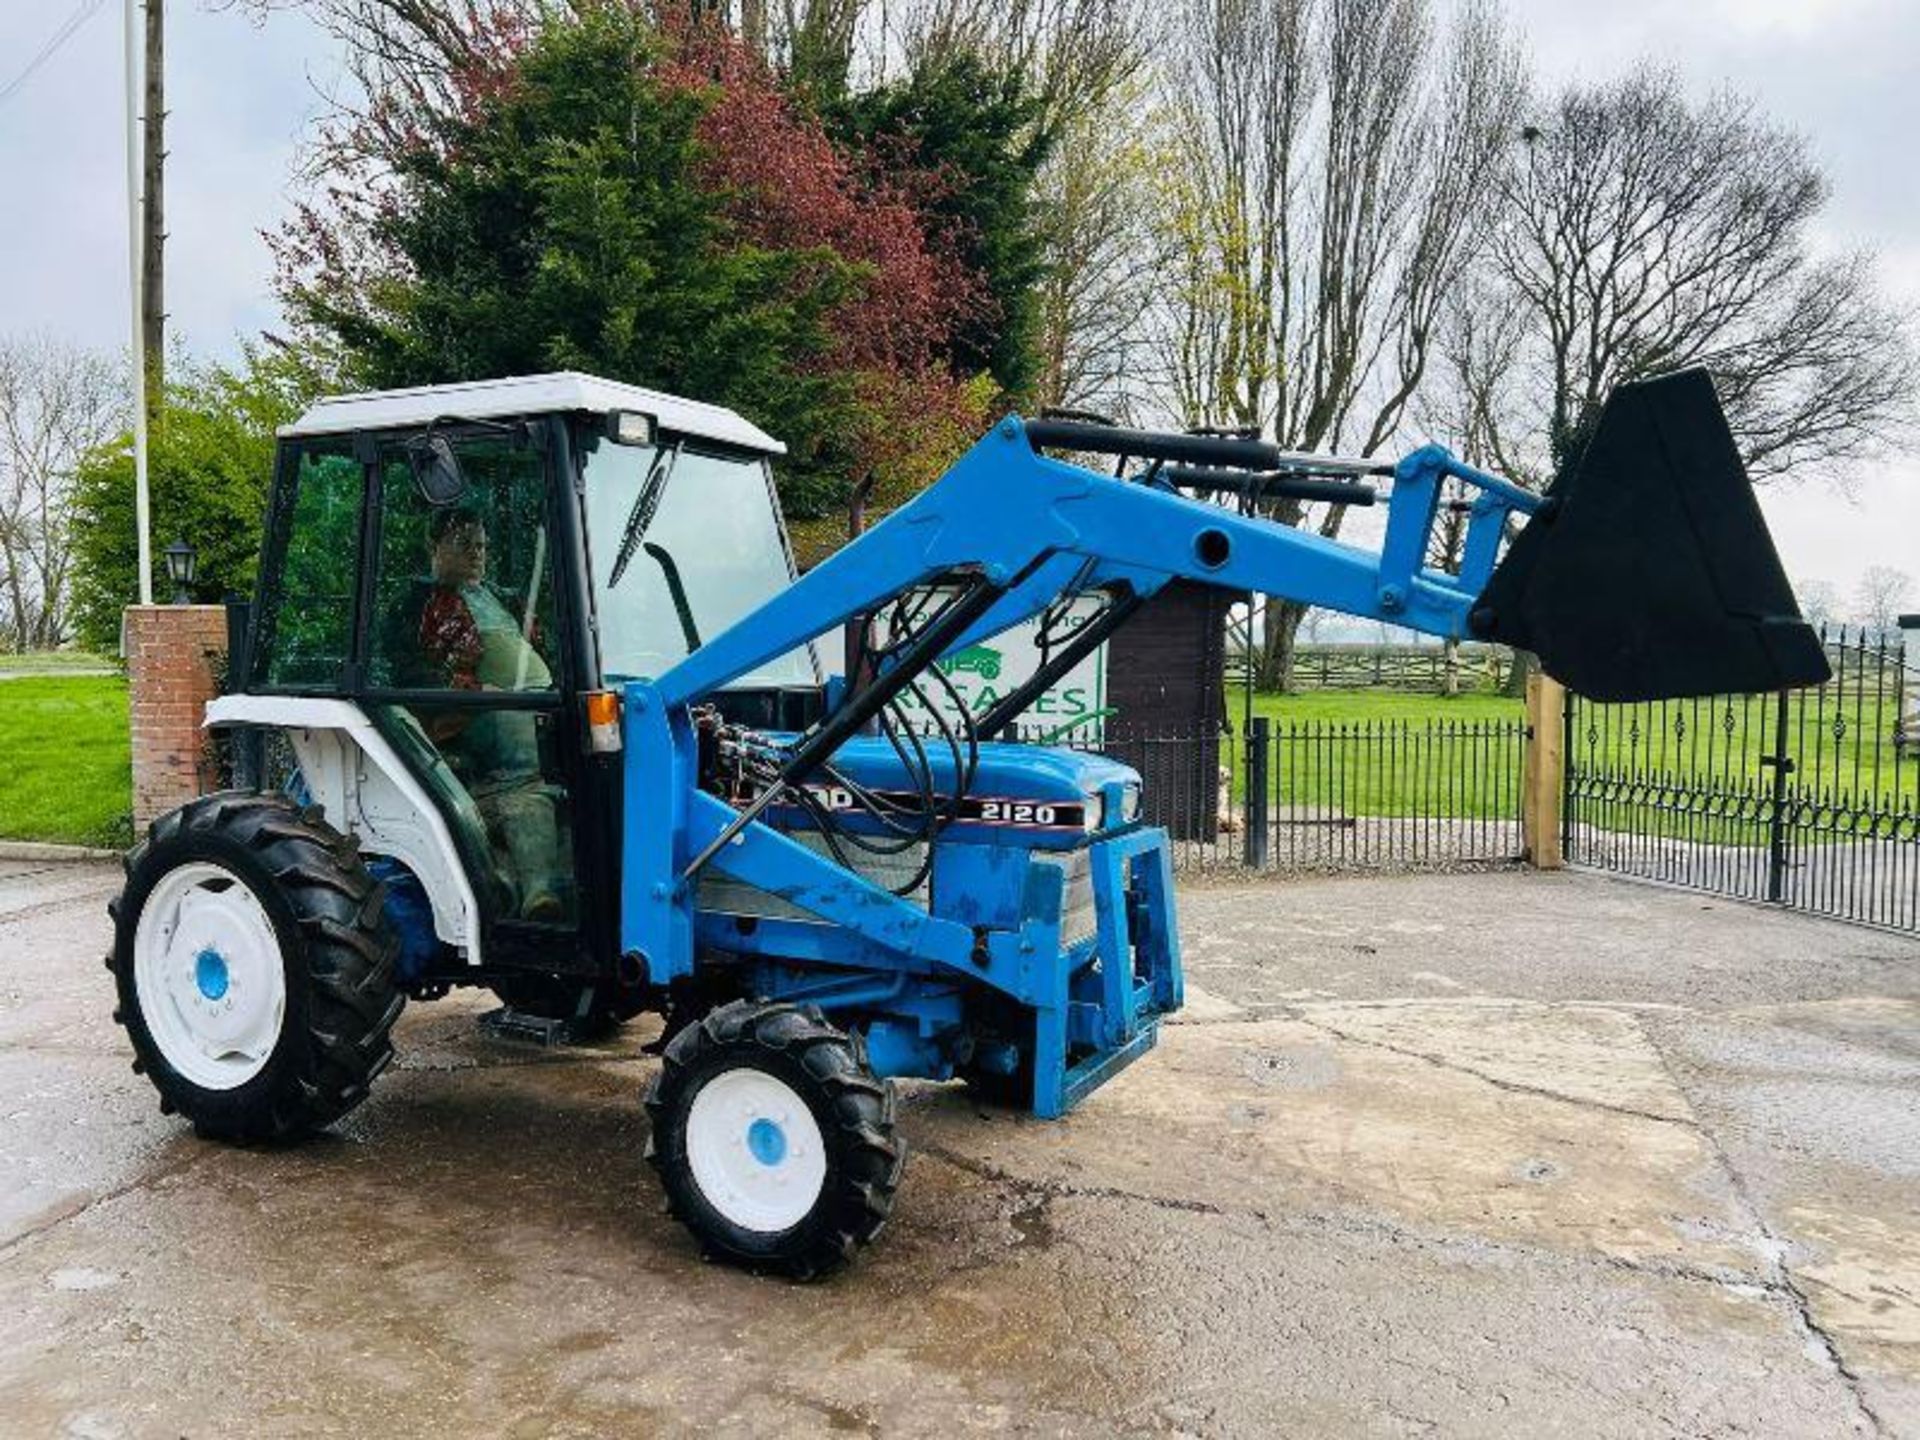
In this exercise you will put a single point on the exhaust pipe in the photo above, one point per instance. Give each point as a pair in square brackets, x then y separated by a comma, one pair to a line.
[1648, 572]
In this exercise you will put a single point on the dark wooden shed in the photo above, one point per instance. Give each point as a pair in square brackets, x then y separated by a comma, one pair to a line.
[1166, 673]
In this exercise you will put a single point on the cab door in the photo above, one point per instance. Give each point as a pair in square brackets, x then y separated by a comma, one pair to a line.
[466, 668]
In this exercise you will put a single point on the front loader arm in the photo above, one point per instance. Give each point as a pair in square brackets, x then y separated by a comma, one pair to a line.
[1646, 572]
[1030, 526]
[1015, 529]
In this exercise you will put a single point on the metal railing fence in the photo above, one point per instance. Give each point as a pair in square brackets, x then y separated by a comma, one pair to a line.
[1320, 795]
[1808, 798]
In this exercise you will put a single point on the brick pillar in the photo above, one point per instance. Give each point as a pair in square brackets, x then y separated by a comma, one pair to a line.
[172, 652]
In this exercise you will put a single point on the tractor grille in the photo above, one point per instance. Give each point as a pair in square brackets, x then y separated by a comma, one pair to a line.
[725, 895]
[1079, 919]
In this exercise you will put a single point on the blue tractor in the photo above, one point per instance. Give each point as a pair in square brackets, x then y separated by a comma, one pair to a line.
[564, 727]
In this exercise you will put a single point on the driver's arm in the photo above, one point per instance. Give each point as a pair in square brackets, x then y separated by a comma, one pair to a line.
[450, 646]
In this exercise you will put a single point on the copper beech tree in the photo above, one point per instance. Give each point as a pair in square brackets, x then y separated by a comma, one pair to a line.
[648, 201]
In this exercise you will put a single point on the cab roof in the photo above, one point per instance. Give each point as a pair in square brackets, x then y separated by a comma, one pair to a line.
[564, 390]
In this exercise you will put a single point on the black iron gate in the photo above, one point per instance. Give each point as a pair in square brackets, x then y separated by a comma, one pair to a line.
[1333, 795]
[1808, 798]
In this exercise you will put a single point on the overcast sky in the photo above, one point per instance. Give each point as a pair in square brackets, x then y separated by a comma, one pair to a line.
[1841, 71]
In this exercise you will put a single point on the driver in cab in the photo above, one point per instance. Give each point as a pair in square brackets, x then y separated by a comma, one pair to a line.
[469, 640]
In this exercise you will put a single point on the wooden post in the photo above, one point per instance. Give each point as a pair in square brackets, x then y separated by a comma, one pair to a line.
[1545, 779]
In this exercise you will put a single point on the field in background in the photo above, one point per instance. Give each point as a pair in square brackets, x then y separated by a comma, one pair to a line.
[56, 662]
[64, 754]
[64, 761]
[1353, 706]
[1844, 740]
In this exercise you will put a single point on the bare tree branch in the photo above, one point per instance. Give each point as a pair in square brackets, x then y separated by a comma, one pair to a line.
[56, 404]
[1074, 54]
[1330, 177]
[1103, 257]
[1883, 592]
[1644, 232]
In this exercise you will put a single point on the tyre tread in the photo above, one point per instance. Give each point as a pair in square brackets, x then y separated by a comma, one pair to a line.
[870, 1159]
[349, 957]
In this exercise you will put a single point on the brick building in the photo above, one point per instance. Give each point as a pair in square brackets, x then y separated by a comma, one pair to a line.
[175, 655]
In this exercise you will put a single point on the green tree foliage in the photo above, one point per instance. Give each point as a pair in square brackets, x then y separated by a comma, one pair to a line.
[973, 127]
[209, 464]
[600, 201]
[560, 227]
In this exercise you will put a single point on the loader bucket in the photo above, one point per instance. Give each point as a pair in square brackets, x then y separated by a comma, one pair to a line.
[1649, 573]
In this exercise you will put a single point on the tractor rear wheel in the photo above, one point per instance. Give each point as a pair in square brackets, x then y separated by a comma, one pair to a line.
[255, 967]
[774, 1139]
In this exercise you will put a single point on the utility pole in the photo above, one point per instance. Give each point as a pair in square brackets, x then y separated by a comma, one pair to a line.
[134, 278]
[153, 291]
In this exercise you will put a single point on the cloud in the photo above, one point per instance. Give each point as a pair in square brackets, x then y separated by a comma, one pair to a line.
[240, 97]
[1841, 73]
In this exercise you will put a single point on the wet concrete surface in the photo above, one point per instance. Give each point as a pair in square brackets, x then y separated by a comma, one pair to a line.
[1480, 1154]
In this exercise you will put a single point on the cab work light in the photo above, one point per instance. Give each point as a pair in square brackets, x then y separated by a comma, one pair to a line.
[630, 427]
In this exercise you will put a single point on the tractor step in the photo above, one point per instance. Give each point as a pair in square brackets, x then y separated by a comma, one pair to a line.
[517, 1027]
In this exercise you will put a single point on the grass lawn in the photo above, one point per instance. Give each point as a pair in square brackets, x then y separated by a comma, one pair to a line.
[1695, 769]
[1378, 752]
[64, 762]
[1349, 706]
[64, 758]
[1842, 744]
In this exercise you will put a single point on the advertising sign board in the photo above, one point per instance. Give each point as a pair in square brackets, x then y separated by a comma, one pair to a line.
[1073, 709]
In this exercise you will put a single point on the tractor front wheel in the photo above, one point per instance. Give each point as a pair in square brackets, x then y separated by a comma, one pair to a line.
[774, 1140]
[255, 967]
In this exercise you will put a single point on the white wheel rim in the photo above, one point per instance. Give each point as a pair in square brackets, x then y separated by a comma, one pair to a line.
[755, 1150]
[208, 976]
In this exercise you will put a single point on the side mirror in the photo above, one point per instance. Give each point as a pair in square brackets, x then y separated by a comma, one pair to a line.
[436, 470]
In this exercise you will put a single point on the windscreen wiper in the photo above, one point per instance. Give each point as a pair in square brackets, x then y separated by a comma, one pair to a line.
[644, 509]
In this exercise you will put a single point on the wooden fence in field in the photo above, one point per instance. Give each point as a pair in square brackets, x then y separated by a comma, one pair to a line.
[1416, 668]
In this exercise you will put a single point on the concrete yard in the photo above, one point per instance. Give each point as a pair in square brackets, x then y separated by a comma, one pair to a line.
[1485, 1154]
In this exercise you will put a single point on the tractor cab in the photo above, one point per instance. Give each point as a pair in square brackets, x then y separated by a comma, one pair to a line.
[465, 565]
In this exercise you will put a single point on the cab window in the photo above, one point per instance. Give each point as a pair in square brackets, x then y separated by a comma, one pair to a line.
[463, 593]
[682, 543]
[304, 628]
